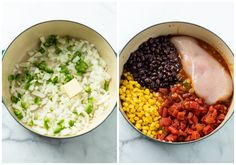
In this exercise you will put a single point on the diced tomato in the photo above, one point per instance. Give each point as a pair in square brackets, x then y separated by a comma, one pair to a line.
[221, 117]
[171, 138]
[195, 135]
[166, 102]
[195, 119]
[193, 105]
[182, 125]
[199, 127]
[199, 101]
[186, 117]
[163, 90]
[174, 89]
[211, 116]
[209, 119]
[165, 122]
[160, 136]
[193, 127]
[188, 138]
[173, 130]
[203, 110]
[175, 123]
[175, 112]
[190, 115]
[180, 115]
[208, 129]
[164, 112]
[189, 131]
[182, 133]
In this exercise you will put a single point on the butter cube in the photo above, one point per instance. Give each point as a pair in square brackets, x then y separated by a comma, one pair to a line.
[72, 88]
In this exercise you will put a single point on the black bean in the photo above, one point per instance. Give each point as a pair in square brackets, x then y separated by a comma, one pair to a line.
[155, 63]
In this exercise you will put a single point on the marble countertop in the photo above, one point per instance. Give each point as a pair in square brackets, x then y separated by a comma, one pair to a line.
[20, 145]
[136, 148]
[133, 147]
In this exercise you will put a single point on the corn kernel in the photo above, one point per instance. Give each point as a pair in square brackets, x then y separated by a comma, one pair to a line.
[140, 105]
[144, 132]
[147, 92]
[160, 132]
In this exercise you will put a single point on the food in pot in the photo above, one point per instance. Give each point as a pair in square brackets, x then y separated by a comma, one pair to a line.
[185, 116]
[189, 101]
[140, 105]
[200, 66]
[61, 88]
[155, 63]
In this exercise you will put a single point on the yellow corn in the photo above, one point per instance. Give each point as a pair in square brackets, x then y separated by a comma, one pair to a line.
[140, 105]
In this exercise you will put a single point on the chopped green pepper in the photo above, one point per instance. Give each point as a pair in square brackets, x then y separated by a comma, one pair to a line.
[50, 97]
[18, 95]
[18, 114]
[27, 85]
[13, 77]
[68, 77]
[37, 100]
[187, 84]
[71, 123]
[14, 99]
[51, 40]
[77, 53]
[58, 50]
[41, 50]
[69, 48]
[54, 80]
[89, 107]
[45, 123]
[64, 69]
[42, 66]
[51, 109]
[106, 86]
[24, 105]
[61, 121]
[88, 89]
[59, 126]
[58, 129]
[90, 100]
[81, 67]
[31, 123]
[48, 70]
[17, 76]
[28, 77]
[75, 112]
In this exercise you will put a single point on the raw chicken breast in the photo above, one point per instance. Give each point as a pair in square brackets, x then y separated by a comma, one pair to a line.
[210, 79]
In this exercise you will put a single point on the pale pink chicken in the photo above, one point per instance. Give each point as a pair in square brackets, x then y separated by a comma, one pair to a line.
[210, 79]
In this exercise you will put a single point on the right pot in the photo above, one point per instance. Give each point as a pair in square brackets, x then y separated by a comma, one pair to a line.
[179, 28]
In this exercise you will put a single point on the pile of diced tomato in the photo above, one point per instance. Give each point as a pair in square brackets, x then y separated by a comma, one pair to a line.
[185, 117]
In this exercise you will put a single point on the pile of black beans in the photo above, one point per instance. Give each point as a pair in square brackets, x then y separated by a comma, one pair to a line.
[155, 64]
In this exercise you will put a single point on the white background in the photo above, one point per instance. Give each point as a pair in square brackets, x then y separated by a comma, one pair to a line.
[133, 18]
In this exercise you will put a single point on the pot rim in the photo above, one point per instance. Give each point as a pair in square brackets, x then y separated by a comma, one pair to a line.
[31, 130]
[165, 142]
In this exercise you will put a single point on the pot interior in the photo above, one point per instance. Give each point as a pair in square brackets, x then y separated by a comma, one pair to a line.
[29, 39]
[180, 28]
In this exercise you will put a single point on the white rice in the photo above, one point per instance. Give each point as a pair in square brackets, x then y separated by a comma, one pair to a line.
[55, 104]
